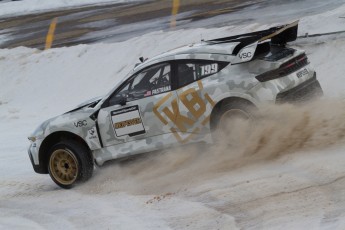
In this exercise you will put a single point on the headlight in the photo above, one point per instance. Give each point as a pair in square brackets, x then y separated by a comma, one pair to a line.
[33, 139]
[38, 134]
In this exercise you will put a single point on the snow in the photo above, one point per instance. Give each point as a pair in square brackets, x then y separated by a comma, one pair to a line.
[15, 8]
[295, 181]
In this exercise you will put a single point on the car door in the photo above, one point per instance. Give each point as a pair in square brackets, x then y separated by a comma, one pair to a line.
[134, 111]
[195, 102]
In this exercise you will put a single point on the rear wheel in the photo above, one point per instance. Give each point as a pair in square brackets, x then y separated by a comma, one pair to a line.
[69, 163]
[233, 123]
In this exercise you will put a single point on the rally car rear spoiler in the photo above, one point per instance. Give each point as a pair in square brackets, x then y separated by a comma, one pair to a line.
[254, 44]
[279, 35]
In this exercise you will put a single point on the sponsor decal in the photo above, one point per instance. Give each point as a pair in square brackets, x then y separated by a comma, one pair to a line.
[161, 90]
[80, 124]
[127, 121]
[190, 122]
[130, 122]
[92, 134]
[302, 73]
[247, 53]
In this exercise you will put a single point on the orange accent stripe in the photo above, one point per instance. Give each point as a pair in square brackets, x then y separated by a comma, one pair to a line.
[174, 12]
[50, 35]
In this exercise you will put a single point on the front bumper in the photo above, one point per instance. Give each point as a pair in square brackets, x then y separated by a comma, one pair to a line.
[38, 168]
[304, 92]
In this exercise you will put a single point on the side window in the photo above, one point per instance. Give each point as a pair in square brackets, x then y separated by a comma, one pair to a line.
[152, 81]
[124, 90]
[120, 96]
[192, 70]
[186, 73]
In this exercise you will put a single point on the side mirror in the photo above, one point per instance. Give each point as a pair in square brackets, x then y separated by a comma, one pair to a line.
[122, 100]
[118, 100]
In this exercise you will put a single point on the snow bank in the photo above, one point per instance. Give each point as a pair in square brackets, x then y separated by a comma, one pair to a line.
[9, 9]
[71, 75]
[331, 21]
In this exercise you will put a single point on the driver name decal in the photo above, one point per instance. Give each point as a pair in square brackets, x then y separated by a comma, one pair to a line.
[161, 90]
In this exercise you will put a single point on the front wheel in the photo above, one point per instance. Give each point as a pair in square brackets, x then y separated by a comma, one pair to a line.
[69, 163]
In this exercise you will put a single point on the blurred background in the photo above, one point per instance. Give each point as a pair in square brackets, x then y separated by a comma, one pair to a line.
[119, 21]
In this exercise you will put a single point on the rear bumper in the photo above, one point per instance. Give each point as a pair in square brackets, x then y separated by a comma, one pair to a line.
[306, 91]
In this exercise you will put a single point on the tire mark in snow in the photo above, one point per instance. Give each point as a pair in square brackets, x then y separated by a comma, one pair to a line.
[22, 189]
[31, 219]
[293, 191]
[246, 216]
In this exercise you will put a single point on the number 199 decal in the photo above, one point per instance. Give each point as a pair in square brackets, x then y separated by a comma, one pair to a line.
[209, 69]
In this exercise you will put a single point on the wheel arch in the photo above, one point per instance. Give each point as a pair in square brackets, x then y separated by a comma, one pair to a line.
[53, 139]
[219, 104]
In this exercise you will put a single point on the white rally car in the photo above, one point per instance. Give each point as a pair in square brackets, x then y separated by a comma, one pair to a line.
[178, 97]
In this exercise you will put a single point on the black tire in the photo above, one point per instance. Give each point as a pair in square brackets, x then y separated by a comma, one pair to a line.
[69, 163]
[234, 109]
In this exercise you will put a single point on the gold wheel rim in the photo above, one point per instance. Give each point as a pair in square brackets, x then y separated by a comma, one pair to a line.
[64, 166]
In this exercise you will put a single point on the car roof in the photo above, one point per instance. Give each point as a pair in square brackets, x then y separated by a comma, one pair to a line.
[203, 50]
[226, 48]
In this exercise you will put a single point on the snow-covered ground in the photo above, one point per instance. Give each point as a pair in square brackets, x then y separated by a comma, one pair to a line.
[15, 8]
[289, 176]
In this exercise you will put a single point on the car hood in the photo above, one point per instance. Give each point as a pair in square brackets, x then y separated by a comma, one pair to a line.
[81, 112]
[91, 103]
